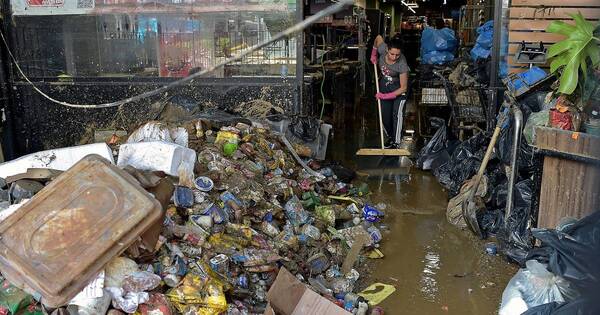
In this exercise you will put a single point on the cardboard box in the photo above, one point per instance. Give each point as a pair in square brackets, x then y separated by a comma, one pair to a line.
[289, 296]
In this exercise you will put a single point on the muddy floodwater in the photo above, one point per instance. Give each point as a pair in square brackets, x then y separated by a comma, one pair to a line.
[435, 267]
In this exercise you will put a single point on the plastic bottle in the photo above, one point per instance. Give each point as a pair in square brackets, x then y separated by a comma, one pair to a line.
[320, 285]
[351, 299]
[375, 234]
[362, 308]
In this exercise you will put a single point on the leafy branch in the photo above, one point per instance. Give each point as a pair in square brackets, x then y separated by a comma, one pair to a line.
[572, 53]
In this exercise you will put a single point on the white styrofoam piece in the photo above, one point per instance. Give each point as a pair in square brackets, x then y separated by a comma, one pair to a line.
[59, 159]
[157, 156]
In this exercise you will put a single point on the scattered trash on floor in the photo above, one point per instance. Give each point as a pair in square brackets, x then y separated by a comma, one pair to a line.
[190, 220]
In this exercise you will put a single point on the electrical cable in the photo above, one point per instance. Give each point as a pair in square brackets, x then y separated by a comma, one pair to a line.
[287, 32]
[322, 83]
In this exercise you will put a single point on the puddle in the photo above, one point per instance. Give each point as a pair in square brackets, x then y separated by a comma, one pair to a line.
[435, 267]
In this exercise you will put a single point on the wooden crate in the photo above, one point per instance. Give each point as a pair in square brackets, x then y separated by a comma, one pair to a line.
[570, 178]
[528, 20]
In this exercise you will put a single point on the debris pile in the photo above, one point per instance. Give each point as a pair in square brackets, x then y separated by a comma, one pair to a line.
[238, 208]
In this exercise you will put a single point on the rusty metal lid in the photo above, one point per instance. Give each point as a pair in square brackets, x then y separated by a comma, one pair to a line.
[59, 240]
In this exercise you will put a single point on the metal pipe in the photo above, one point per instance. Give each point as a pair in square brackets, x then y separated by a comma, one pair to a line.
[518, 119]
[494, 82]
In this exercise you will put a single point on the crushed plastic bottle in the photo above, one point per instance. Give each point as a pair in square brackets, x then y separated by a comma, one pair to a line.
[311, 231]
[371, 214]
[320, 285]
[375, 234]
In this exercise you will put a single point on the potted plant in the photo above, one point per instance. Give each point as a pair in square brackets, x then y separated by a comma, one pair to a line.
[575, 58]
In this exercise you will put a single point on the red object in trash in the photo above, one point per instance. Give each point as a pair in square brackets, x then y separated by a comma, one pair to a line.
[158, 304]
[561, 120]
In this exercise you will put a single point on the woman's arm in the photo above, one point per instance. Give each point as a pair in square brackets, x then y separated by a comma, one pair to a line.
[378, 41]
[392, 95]
[403, 84]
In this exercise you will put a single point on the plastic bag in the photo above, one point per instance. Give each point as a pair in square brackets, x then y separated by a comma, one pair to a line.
[573, 253]
[579, 306]
[534, 286]
[141, 281]
[13, 299]
[434, 153]
[535, 119]
[463, 163]
[157, 305]
[483, 43]
[198, 295]
[479, 52]
[157, 131]
[515, 236]
[117, 270]
[486, 34]
[437, 57]
[305, 128]
[504, 149]
[127, 301]
[438, 40]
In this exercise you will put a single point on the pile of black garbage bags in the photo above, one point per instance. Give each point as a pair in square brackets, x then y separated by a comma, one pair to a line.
[453, 162]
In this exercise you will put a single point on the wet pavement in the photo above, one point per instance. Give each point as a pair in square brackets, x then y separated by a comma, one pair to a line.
[435, 267]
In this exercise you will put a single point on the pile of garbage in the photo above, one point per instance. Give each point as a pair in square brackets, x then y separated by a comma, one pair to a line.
[192, 219]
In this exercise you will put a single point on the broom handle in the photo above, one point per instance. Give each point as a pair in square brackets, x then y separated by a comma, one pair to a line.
[486, 159]
[379, 105]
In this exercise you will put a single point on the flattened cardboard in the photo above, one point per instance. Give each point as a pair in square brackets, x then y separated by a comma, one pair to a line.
[289, 296]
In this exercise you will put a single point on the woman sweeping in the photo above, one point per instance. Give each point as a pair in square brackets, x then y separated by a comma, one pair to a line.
[393, 85]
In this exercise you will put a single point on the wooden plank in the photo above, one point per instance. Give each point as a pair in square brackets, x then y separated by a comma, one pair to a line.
[569, 142]
[384, 152]
[531, 25]
[574, 3]
[534, 36]
[569, 189]
[536, 25]
[552, 13]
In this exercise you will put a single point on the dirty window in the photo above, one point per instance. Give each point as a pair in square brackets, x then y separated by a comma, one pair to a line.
[152, 39]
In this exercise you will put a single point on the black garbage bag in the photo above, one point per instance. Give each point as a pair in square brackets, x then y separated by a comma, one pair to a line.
[463, 164]
[463, 171]
[515, 235]
[344, 174]
[524, 155]
[573, 253]
[435, 152]
[491, 221]
[581, 306]
[443, 175]
[305, 128]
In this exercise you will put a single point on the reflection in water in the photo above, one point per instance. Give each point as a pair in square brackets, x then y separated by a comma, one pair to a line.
[428, 283]
[435, 267]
